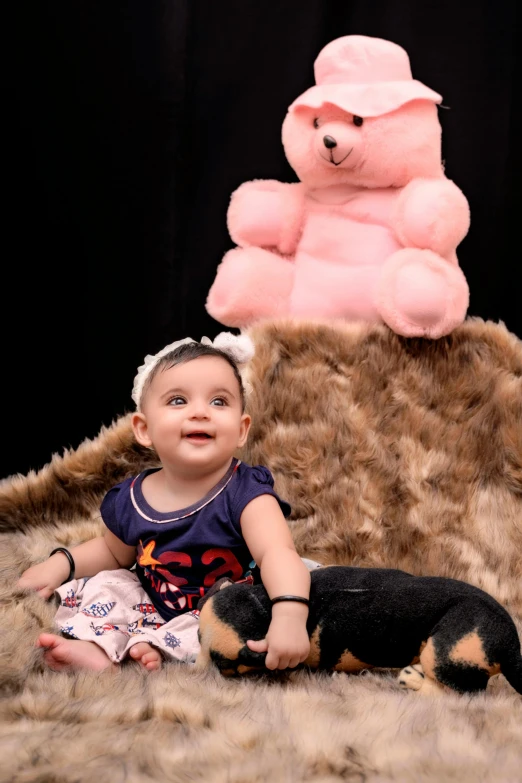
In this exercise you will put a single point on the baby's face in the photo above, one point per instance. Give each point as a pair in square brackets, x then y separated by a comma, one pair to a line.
[193, 415]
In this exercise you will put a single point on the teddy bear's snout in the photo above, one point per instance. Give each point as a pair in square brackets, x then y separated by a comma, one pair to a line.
[338, 147]
[329, 142]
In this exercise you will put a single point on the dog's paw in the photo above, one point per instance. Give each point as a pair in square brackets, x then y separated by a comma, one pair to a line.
[411, 677]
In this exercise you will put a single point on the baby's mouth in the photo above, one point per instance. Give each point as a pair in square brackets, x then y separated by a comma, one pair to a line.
[198, 436]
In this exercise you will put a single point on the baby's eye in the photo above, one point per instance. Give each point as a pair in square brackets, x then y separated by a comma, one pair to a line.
[177, 401]
[219, 402]
[357, 120]
[316, 123]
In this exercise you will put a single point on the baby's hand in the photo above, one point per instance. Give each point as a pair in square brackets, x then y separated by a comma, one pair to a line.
[45, 577]
[286, 643]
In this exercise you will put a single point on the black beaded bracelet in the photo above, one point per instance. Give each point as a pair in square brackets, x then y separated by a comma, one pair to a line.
[70, 558]
[297, 598]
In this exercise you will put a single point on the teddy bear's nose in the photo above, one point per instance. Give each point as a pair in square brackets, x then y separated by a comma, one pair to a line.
[329, 142]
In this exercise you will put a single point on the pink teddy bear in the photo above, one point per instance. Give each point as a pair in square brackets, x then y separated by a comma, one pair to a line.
[370, 231]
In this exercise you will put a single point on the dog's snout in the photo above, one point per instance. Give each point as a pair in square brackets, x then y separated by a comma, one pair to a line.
[329, 142]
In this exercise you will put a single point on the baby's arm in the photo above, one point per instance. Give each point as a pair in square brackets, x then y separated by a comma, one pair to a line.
[283, 573]
[105, 553]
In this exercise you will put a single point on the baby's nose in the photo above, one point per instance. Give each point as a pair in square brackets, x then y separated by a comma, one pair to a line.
[199, 411]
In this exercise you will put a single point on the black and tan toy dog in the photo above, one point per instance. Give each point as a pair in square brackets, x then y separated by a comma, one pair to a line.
[374, 617]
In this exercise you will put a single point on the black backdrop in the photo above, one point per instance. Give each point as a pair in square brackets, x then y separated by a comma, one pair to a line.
[130, 123]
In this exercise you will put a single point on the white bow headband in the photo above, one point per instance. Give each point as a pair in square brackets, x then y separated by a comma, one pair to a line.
[239, 347]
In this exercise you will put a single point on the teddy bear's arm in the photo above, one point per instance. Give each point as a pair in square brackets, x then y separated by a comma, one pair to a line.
[268, 214]
[432, 214]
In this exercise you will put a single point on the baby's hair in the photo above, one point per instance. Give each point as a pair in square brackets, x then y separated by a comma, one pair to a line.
[187, 353]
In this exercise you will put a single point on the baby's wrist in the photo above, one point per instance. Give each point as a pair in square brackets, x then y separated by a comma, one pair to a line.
[290, 609]
[60, 567]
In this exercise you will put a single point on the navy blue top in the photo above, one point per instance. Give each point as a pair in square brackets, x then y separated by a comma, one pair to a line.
[181, 554]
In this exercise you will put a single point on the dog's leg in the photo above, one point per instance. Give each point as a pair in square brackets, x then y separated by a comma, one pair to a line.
[414, 678]
[454, 657]
[203, 656]
[202, 660]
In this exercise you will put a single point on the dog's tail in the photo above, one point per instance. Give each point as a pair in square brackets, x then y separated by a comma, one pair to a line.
[511, 668]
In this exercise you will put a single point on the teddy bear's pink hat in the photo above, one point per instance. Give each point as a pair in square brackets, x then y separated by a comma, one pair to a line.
[364, 76]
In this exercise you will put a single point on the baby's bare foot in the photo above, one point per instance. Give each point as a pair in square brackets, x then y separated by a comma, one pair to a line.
[61, 654]
[146, 655]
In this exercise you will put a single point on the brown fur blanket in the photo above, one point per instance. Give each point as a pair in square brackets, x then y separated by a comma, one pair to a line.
[403, 453]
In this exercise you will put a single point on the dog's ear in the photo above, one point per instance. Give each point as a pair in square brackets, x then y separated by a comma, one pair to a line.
[219, 585]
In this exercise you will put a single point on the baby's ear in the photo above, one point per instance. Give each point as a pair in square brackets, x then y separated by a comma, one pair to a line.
[244, 429]
[139, 427]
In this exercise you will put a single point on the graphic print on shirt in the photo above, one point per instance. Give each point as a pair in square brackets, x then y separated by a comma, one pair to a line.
[99, 630]
[145, 622]
[98, 609]
[70, 600]
[164, 573]
[68, 630]
[145, 608]
[171, 640]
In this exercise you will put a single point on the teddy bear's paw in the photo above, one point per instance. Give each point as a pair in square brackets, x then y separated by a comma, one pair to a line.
[434, 214]
[421, 294]
[255, 214]
[251, 284]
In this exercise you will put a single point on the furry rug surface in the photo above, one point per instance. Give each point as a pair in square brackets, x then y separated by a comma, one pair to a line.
[394, 452]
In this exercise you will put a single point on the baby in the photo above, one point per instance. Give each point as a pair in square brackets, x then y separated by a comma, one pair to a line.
[200, 517]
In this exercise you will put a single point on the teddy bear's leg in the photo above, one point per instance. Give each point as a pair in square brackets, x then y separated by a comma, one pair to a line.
[250, 284]
[421, 294]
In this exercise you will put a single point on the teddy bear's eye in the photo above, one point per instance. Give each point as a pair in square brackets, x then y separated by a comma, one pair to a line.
[316, 123]
[357, 120]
